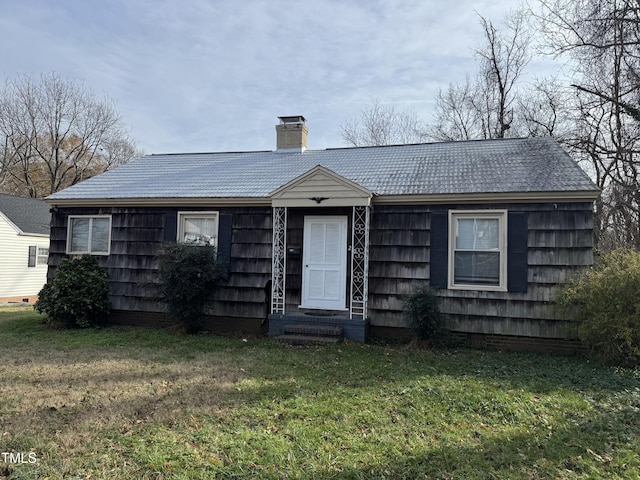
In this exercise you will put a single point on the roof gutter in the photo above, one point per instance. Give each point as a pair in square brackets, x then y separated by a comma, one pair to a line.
[160, 202]
[27, 234]
[447, 198]
[498, 197]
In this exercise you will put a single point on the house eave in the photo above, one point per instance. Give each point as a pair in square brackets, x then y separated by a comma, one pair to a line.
[432, 199]
[38, 235]
[160, 202]
[498, 197]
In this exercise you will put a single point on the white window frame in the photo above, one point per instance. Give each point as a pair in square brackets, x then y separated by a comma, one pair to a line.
[501, 216]
[88, 252]
[183, 216]
[42, 255]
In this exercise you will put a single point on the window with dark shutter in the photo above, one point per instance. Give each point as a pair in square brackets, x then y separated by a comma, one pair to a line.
[466, 254]
[202, 228]
[477, 256]
[198, 228]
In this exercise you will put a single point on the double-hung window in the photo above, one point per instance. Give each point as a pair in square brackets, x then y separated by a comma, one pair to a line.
[477, 250]
[37, 256]
[43, 256]
[198, 228]
[89, 234]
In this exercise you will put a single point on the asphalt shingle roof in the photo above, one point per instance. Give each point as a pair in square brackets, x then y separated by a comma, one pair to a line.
[28, 214]
[482, 166]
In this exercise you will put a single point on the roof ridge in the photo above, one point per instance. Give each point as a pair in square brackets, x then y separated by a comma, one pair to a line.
[206, 153]
[436, 142]
[442, 142]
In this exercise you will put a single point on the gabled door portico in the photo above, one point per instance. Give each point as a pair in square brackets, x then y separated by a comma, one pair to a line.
[334, 265]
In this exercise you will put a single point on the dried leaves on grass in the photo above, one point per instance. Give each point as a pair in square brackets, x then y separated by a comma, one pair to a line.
[135, 403]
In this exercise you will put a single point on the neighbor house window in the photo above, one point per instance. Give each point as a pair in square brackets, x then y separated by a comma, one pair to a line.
[89, 234]
[37, 256]
[43, 256]
[477, 250]
[198, 228]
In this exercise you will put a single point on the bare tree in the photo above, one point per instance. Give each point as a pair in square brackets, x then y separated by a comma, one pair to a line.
[54, 133]
[602, 37]
[485, 106]
[383, 125]
[456, 116]
[544, 110]
[503, 60]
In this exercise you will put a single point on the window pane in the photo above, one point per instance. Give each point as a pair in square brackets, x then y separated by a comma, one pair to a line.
[43, 255]
[465, 236]
[200, 230]
[80, 234]
[100, 235]
[477, 234]
[478, 268]
[487, 230]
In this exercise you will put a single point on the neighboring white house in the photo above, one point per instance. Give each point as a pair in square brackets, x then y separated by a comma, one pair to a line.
[24, 247]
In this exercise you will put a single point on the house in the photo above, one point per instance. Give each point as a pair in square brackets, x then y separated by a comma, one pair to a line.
[340, 236]
[24, 247]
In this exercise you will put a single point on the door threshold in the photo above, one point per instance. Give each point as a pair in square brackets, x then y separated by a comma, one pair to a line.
[322, 309]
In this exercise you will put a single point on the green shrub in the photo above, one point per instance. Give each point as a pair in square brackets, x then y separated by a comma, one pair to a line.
[78, 296]
[606, 302]
[422, 313]
[189, 279]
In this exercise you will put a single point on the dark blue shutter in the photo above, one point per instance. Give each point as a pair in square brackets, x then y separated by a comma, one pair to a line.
[439, 251]
[32, 257]
[170, 227]
[517, 261]
[225, 231]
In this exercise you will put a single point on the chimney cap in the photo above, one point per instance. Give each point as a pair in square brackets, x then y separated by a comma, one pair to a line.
[292, 119]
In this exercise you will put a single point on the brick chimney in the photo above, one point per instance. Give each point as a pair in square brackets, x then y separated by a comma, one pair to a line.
[291, 134]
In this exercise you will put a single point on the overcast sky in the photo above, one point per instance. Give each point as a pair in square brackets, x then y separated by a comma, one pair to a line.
[214, 75]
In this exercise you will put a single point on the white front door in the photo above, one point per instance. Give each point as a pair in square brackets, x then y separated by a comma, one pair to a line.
[324, 268]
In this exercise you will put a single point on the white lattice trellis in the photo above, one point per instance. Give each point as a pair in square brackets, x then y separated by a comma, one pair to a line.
[359, 262]
[279, 260]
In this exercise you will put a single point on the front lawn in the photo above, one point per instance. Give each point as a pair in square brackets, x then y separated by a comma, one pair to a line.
[125, 403]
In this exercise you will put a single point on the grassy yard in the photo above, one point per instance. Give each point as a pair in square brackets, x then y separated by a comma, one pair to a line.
[125, 403]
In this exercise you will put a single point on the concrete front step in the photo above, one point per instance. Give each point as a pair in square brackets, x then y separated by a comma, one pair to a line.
[308, 329]
[352, 329]
[293, 339]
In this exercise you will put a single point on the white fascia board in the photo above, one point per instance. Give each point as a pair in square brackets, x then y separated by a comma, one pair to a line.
[11, 224]
[506, 197]
[159, 202]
